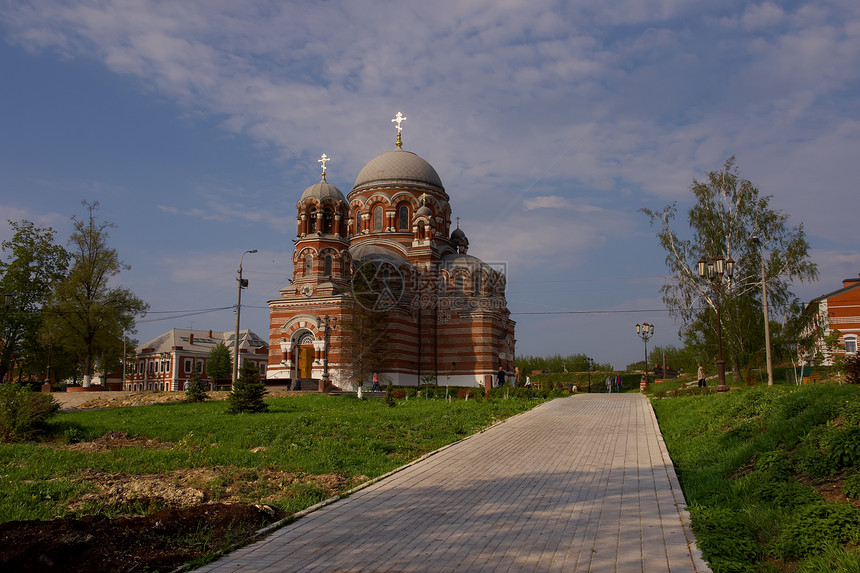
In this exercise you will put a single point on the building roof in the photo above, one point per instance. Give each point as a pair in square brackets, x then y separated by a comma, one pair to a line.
[200, 341]
[398, 166]
[829, 295]
[322, 190]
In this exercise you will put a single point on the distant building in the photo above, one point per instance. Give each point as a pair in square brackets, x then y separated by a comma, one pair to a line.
[166, 363]
[839, 310]
[447, 319]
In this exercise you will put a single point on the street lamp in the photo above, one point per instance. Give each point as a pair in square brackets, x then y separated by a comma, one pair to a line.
[329, 324]
[757, 242]
[242, 284]
[590, 362]
[645, 331]
[714, 270]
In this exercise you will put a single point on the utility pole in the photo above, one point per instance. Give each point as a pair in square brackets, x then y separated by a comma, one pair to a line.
[242, 283]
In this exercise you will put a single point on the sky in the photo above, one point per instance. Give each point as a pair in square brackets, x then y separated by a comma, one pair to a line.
[196, 125]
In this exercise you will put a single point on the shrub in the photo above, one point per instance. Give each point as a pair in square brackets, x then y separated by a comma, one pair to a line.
[196, 388]
[248, 392]
[851, 368]
[845, 448]
[465, 393]
[389, 396]
[23, 414]
[816, 527]
[724, 538]
[851, 486]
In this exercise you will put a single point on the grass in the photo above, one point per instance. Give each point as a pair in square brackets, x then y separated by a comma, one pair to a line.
[749, 461]
[312, 435]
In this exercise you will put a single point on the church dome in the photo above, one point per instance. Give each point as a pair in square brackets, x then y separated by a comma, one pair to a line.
[322, 190]
[424, 210]
[398, 166]
[458, 234]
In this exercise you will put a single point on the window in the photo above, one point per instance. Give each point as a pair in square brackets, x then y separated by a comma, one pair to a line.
[377, 219]
[187, 365]
[327, 219]
[478, 284]
[403, 218]
[357, 222]
[262, 369]
[327, 265]
[312, 220]
[309, 262]
[200, 366]
[850, 344]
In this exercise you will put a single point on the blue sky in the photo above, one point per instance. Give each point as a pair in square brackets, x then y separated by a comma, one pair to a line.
[197, 125]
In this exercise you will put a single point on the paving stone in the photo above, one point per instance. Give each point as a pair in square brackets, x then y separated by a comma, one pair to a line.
[577, 484]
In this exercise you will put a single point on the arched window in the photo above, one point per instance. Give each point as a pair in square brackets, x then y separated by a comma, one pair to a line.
[312, 220]
[327, 220]
[357, 222]
[458, 283]
[377, 219]
[309, 263]
[478, 284]
[327, 265]
[403, 218]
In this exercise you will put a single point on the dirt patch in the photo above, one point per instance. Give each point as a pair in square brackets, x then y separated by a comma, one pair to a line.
[830, 489]
[161, 541]
[189, 513]
[114, 440]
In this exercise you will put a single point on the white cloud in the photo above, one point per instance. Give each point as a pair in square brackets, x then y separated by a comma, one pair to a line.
[762, 15]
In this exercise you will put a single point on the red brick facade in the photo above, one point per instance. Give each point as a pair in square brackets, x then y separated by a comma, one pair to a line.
[840, 310]
[447, 314]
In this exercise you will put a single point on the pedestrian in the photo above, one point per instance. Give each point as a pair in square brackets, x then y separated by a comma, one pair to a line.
[609, 384]
[618, 382]
[517, 381]
[376, 387]
[500, 377]
[700, 374]
[528, 381]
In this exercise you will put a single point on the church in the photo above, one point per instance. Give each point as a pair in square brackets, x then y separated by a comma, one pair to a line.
[446, 319]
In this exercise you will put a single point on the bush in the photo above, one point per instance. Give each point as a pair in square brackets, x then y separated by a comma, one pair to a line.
[851, 486]
[851, 369]
[724, 538]
[816, 527]
[196, 387]
[23, 414]
[248, 392]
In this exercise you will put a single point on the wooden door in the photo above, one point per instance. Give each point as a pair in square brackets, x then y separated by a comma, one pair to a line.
[306, 360]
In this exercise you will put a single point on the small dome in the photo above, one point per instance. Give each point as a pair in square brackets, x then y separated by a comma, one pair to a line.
[424, 210]
[398, 166]
[322, 190]
[459, 234]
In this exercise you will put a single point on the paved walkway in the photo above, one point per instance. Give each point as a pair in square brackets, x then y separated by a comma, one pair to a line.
[577, 484]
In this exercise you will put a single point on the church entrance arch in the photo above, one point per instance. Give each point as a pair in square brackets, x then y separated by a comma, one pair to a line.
[304, 353]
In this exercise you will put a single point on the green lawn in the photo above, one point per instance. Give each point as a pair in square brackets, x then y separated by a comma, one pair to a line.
[752, 463]
[302, 443]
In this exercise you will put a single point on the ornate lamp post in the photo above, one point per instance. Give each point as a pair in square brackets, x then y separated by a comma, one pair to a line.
[714, 270]
[590, 362]
[242, 284]
[329, 324]
[645, 331]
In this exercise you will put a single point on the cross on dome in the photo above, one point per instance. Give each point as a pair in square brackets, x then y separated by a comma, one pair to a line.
[398, 119]
[458, 222]
[324, 159]
[423, 198]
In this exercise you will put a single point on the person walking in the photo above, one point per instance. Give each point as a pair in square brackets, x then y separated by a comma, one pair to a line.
[517, 381]
[376, 387]
[700, 374]
[618, 383]
[609, 384]
[500, 377]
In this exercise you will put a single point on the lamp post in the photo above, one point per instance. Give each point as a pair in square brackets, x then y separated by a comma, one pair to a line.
[590, 362]
[242, 284]
[329, 324]
[757, 242]
[645, 331]
[714, 270]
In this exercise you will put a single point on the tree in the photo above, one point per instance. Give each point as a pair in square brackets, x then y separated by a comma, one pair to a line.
[196, 387]
[363, 330]
[248, 391]
[220, 364]
[33, 267]
[730, 219]
[92, 316]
